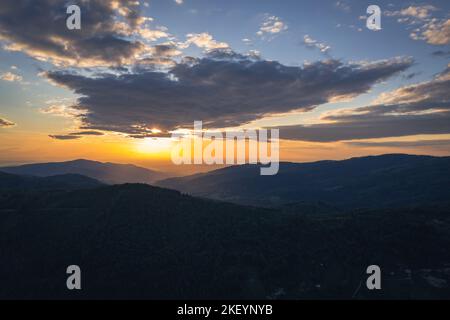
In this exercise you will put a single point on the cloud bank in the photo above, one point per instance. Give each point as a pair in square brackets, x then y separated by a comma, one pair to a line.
[223, 89]
[112, 32]
[435, 31]
[422, 108]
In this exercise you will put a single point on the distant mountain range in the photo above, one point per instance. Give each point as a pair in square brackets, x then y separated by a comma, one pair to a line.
[385, 181]
[145, 242]
[370, 182]
[110, 173]
[12, 182]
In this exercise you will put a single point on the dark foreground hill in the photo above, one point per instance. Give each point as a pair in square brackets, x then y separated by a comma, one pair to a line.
[110, 173]
[137, 241]
[371, 182]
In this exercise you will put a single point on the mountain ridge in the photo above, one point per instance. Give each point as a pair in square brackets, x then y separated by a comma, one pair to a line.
[13, 182]
[373, 181]
[106, 172]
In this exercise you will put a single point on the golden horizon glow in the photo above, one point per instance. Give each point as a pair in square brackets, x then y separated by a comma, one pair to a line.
[155, 153]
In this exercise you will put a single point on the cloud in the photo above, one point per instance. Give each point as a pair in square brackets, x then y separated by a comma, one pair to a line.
[419, 12]
[401, 144]
[311, 43]
[422, 108]
[112, 32]
[64, 137]
[222, 89]
[271, 26]
[162, 56]
[411, 75]
[230, 55]
[150, 135]
[153, 34]
[165, 50]
[441, 53]
[435, 31]
[76, 135]
[426, 96]
[343, 5]
[369, 128]
[6, 123]
[203, 40]
[179, 1]
[62, 110]
[154, 63]
[10, 77]
[87, 133]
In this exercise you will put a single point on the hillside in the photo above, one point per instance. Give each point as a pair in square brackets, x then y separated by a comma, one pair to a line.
[110, 173]
[14, 183]
[138, 241]
[386, 181]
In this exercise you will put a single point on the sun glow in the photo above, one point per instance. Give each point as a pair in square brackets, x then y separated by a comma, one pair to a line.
[154, 146]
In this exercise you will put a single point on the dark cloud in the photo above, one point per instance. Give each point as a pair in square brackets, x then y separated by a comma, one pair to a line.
[401, 144]
[6, 123]
[165, 50]
[76, 135]
[370, 127]
[38, 28]
[162, 57]
[228, 54]
[423, 108]
[221, 91]
[411, 75]
[441, 53]
[427, 96]
[150, 135]
[64, 137]
[87, 133]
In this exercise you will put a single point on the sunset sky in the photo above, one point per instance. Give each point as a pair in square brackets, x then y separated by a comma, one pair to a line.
[139, 70]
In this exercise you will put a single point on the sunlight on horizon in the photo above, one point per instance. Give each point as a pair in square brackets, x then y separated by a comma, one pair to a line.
[154, 146]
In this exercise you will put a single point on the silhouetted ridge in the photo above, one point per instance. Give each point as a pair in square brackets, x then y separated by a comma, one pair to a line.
[392, 180]
[14, 182]
[110, 173]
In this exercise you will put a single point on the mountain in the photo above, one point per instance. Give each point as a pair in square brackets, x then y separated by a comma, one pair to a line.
[143, 242]
[110, 173]
[11, 182]
[372, 182]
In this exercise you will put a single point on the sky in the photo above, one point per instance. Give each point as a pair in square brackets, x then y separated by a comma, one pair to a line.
[137, 71]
